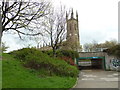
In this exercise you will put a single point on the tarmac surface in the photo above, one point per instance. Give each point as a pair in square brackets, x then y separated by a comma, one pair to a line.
[98, 79]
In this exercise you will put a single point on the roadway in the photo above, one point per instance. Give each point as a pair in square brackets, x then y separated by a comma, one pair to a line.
[98, 79]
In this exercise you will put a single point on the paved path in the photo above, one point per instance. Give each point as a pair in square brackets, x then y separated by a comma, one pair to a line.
[97, 79]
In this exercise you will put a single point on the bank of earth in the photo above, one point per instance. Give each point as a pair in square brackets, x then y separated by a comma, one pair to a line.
[16, 75]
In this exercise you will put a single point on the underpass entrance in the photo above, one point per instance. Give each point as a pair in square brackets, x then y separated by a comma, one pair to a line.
[91, 62]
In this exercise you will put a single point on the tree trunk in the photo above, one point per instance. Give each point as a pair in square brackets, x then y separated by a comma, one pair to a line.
[0, 43]
[0, 36]
[54, 52]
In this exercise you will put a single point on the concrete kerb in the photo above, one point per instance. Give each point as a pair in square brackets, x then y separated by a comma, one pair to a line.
[75, 83]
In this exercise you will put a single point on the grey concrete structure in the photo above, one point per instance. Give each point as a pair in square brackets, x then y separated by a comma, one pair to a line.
[110, 62]
[92, 54]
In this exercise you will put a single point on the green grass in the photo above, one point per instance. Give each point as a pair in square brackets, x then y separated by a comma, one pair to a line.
[0, 74]
[35, 59]
[0, 70]
[17, 76]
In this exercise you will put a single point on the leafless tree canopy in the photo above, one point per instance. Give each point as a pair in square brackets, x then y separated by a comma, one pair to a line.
[55, 28]
[28, 15]
[95, 47]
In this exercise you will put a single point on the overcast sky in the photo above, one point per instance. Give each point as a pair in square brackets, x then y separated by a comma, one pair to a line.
[98, 20]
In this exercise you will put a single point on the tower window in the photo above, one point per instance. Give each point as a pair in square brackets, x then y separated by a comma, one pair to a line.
[75, 27]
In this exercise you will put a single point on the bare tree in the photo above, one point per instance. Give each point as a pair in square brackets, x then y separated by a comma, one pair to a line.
[0, 27]
[55, 30]
[88, 47]
[23, 17]
[95, 47]
[0, 49]
[109, 44]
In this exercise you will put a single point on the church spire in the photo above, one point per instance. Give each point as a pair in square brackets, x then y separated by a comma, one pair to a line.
[76, 15]
[72, 14]
[66, 16]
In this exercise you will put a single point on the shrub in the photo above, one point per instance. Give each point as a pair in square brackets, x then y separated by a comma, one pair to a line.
[68, 60]
[35, 59]
[115, 50]
[49, 52]
[66, 55]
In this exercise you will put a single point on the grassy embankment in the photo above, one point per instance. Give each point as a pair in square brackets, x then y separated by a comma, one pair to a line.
[36, 72]
[0, 73]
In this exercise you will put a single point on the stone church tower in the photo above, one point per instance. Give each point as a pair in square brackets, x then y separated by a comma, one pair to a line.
[72, 38]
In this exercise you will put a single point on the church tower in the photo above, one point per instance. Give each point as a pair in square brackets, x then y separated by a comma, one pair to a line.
[72, 38]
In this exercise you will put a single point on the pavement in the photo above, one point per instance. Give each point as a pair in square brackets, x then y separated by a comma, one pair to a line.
[98, 79]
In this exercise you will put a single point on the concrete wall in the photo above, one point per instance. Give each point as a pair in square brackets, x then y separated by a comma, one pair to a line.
[111, 62]
[92, 54]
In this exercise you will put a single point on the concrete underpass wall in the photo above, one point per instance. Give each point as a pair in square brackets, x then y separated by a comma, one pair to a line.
[92, 54]
[111, 62]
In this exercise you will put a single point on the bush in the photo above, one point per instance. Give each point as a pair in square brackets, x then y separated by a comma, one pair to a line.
[37, 60]
[68, 60]
[61, 53]
[66, 55]
[115, 50]
[49, 53]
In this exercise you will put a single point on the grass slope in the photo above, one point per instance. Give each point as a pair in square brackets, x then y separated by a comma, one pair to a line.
[0, 74]
[17, 76]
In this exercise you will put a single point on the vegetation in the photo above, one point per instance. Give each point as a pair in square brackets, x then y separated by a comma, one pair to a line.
[3, 48]
[35, 59]
[66, 55]
[17, 15]
[115, 50]
[0, 74]
[94, 46]
[17, 76]
[30, 68]
[61, 53]
[55, 30]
